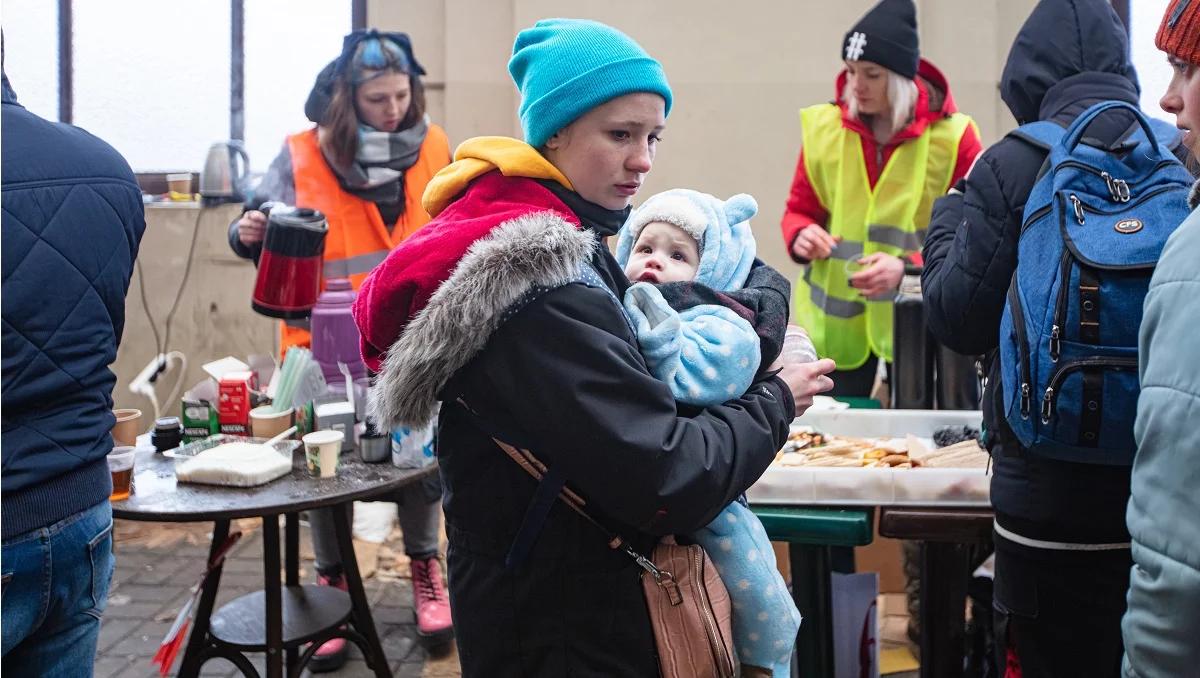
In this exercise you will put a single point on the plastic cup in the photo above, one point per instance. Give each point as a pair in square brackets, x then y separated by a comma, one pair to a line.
[266, 423]
[180, 184]
[125, 431]
[321, 451]
[120, 466]
[852, 267]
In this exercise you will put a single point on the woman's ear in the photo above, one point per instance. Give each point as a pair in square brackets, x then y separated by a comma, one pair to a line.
[558, 140]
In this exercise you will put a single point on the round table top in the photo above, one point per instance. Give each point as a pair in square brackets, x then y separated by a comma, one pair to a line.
[158, 497]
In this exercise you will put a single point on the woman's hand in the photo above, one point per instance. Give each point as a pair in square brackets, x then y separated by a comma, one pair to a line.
[252, 228]
[813, 242]
[806, 379]
[881, 275]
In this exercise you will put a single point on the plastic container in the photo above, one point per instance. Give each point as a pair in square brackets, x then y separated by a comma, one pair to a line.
[335, 336]
[413, 448]
[797, 346]
[185, 452]
[831, 486]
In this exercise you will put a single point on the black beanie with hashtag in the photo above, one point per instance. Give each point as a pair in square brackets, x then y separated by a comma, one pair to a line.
[886, 35]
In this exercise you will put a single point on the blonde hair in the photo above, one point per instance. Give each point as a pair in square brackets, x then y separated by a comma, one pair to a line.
[902, 97]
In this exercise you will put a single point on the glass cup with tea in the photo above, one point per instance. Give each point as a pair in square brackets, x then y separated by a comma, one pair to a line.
[120, 466]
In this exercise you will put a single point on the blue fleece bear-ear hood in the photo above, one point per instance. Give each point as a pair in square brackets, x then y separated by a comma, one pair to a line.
[722, 227]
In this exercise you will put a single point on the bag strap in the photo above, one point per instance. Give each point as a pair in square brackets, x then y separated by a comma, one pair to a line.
[538, 470]
[551, 485]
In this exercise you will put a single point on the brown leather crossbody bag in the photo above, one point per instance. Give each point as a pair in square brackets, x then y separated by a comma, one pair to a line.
[690, 610]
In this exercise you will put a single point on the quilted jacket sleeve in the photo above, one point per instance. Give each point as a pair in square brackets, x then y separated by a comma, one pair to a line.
[970, 255]
[1164, 594]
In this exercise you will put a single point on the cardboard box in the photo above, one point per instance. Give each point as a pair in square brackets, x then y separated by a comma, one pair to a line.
[234, 401]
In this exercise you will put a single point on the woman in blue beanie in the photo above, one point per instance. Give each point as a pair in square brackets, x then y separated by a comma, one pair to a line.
[505, 309]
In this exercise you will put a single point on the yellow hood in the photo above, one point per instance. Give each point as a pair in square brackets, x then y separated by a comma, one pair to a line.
[476, 157]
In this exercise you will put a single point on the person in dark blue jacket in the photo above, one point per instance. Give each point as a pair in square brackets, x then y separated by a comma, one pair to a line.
[72, 222]
[1062, 547]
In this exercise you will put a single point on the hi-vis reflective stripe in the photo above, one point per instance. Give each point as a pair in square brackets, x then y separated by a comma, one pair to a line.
[896, 237]
[847, 251]
[837, 308]
[362, 263]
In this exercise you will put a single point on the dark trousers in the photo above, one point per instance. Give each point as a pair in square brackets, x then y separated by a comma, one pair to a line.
[857, 382]
[1059, 612]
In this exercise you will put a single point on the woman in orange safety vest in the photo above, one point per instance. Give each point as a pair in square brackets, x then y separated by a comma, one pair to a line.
[364, 165]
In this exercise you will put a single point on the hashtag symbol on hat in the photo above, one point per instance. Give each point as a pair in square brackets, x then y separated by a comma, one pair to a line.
[855, 46]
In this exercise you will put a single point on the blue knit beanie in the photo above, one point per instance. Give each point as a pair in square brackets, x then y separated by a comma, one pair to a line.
[566, 67]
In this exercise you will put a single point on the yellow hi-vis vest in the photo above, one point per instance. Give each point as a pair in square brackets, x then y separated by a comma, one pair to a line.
[892, 218]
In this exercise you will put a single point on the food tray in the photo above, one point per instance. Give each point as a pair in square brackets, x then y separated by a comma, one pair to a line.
[185, 452]
[832, 486]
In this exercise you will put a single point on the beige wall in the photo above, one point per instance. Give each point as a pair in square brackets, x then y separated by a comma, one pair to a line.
[213, 319]
[740, 72]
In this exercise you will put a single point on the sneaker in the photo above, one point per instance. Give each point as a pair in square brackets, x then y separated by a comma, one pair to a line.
[332, 653]
[430, 602]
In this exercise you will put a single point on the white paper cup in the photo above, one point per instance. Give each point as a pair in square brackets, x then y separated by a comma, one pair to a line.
[321, 452]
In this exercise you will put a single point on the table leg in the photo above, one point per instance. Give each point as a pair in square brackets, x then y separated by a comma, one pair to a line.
[944, 572]
[291, 559]
[360, 612]
[198, 640]
[273, 603]
[811, 589]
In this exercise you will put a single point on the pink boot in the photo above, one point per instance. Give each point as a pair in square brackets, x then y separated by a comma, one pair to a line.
[430, 601]
[332, 653]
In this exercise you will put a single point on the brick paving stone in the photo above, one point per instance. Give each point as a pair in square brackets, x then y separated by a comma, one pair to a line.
[141, 642]
[113, 631]
[152, 583]
[112, 667]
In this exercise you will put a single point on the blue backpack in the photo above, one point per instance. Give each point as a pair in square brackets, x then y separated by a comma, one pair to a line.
[1094, 226]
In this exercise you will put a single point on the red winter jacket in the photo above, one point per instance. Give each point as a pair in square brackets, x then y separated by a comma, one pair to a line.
[934, 101]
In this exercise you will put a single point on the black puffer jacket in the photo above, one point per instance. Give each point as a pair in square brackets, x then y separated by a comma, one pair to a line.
[1069, 55]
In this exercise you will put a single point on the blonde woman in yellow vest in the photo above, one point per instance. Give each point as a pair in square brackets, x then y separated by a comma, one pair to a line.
[365, 165]
[871, 164]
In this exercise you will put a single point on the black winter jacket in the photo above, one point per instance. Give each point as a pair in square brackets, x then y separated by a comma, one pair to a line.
[1068, 56]
[562, 376]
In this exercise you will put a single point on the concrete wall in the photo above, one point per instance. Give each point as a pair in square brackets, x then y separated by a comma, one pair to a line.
[213, 319]
[740, 72]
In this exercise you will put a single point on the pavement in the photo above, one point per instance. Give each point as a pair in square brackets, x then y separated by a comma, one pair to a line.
[157, 564]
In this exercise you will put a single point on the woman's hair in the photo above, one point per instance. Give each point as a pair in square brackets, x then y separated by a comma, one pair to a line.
[340, 142]
[902, 97]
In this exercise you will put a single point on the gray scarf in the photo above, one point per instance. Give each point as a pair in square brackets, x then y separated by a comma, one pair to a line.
[377, 173]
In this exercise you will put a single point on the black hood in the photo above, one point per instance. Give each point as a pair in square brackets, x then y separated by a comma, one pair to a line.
[321, 94]
[1062, 38]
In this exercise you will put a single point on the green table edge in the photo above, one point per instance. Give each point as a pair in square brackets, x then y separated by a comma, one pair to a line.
[818, 526]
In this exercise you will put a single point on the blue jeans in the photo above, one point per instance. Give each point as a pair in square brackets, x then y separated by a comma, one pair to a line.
[55, 589]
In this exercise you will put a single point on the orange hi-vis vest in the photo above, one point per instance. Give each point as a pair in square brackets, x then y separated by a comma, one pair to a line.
[357, 240]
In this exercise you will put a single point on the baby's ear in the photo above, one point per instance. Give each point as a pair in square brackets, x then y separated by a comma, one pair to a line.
[740, 207]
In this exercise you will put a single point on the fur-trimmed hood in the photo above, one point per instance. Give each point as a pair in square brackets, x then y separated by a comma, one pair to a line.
[432, 305]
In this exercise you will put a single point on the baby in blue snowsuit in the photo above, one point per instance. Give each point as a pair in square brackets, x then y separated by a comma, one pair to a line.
[688, 254]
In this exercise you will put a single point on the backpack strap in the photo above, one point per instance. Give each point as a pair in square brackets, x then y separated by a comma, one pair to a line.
[1042, 134]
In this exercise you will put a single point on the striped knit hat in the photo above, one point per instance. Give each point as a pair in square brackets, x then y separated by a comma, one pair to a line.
[1179, 34]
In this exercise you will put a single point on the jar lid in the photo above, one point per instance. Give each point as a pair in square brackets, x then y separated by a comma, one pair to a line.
[167, 424]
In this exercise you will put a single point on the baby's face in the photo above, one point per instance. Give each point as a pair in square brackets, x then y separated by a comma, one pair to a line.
[663, 253]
